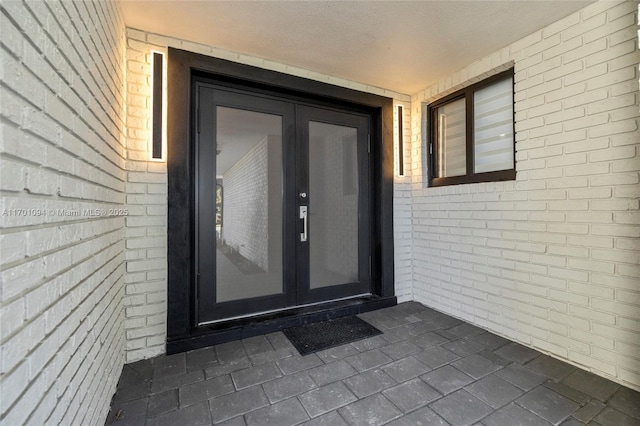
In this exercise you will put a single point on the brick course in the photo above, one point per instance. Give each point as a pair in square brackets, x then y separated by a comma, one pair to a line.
[561, 257]
[62, 152]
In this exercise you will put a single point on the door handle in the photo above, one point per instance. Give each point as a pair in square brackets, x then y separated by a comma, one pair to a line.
[303, 216]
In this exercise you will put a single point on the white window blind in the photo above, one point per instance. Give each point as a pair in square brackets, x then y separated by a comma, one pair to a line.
[451, 149]
[493, 127]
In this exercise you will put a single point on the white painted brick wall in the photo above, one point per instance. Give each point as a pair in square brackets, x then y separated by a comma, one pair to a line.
[402, 205]
[146, 291]
[550, 259]
[146, 227]
[62, 151]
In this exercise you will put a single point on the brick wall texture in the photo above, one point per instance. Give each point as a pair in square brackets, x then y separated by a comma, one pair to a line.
[62, 226]
[550, 259]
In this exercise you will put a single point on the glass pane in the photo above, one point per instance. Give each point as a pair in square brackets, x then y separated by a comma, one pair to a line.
[493, 127]
[333, 204]
[451, 140]
[249, 201]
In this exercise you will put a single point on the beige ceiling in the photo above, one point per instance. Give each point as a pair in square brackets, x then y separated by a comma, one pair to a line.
[398, 45]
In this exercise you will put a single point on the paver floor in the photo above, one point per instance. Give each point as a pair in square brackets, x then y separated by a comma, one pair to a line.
[426, 369]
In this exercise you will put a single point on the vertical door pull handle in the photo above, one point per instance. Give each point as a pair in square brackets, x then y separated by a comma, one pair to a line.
[303, 216]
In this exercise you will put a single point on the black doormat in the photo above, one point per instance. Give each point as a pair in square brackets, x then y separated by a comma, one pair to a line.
[324, 335]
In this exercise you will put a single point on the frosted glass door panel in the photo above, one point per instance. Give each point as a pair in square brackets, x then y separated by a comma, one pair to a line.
[333, 205]
[248, 204]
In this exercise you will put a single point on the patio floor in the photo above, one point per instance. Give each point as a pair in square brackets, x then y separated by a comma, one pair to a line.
[426, 369]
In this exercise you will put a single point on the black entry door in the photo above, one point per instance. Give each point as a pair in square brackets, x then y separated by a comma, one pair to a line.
[281, 203]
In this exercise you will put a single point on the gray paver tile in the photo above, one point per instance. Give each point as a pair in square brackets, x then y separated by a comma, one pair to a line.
[489, 340]
[236, 421]
[476, 366]
[368, 360]
[514, 415]
[169, 365]
[370, 343]
[421, 327]
[162, 403]
[328, 373]
[201, 391]
[130, 412]
[446, 379]
[461, 408]
[270, 356]
[372, 410]
[627, 401]
[596, 386]
[279, 341]
[425, 416]
[369, 382]
[255, 375]
[285, 413]
[132, 391]
[200, 359]
[230, 351]
[494, 391]
[227, 367]
[298, 363]
[517, 353]
[522, 377]
[329, 419]
[326, 398]
[256, 345]
[428, 339]
[412, 394]
[288, 386]
[337, 353]
[552, 368]
[609, 416]
[463, 347]
[405, 369]
[547, 404]
[241, 402]
[465, 330]
[572, 421]
[143, 370]
[174, 382]
[436, 357]
[194, 415]
[446, 321]
[568, 391]
[589, 411]
[172, 389]
[400, 350]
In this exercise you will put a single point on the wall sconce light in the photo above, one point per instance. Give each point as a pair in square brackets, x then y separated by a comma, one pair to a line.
[157, 106]
[400, 111]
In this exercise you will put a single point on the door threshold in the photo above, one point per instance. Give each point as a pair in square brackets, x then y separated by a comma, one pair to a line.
[273, 311]
[270, 322]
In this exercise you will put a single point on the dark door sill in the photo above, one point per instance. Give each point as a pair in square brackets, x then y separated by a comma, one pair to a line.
[242, 328]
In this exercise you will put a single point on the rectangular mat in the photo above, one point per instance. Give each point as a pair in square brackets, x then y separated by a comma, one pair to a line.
[327, 334]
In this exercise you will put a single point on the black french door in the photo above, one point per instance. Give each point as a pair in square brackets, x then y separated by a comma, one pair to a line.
[282, 203]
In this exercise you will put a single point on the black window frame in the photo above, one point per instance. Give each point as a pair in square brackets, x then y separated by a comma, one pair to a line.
[470, 176]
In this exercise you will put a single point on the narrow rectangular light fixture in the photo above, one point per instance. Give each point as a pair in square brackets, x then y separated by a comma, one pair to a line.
[400, 110]
[157, 93]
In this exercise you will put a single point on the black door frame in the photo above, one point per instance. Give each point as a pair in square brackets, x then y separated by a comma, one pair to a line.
[182, 66]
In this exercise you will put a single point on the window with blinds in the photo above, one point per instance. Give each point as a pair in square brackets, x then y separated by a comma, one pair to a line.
[472, 133]
[452, 157]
